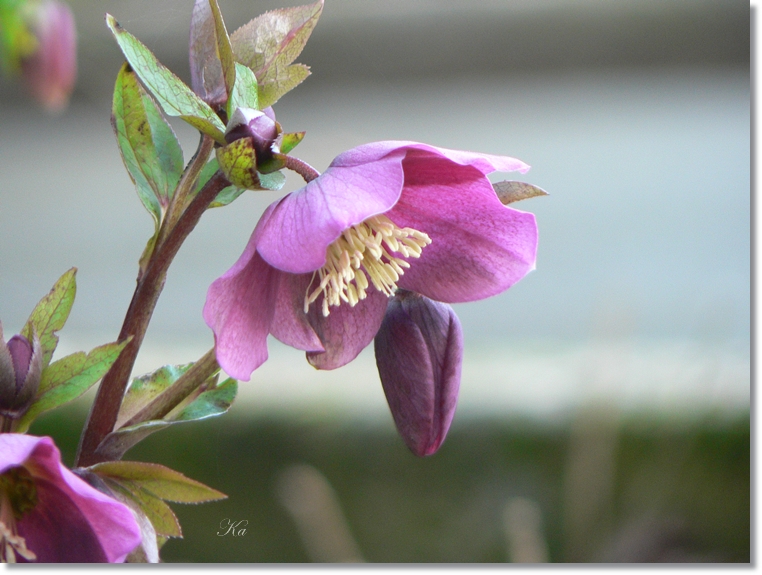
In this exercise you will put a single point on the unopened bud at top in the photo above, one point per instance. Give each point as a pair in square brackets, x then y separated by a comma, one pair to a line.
[51, 69]
[419, 354]
[260, 126]
[20, 372]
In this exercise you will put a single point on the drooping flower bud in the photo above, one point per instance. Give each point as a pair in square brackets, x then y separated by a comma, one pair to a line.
[419, 353]
[20, 371]
[258, 125]
[250, 135]
[51, 69]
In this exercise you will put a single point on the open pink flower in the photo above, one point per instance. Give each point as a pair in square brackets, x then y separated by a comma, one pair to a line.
[322, 261]
[49, 515]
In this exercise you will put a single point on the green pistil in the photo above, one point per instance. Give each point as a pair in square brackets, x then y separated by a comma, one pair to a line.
[18, 484]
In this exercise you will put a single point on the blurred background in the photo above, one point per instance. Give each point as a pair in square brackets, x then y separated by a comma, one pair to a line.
[604, 412]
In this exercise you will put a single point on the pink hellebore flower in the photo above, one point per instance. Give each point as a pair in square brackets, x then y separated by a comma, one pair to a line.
[323, 261]
[49, 515]
[51, 70]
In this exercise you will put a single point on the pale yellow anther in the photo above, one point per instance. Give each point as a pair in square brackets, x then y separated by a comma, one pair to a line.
[375, 247]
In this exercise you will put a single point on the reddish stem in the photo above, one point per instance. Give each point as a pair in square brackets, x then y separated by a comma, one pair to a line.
[105, 408]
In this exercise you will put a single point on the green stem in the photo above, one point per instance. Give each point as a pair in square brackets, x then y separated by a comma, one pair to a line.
[171, 397]
[105, 408]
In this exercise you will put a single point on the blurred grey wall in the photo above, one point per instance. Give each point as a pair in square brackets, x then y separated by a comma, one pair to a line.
[634, 116]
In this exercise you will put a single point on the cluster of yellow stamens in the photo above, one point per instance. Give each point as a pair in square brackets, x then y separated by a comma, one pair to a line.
[376, 246]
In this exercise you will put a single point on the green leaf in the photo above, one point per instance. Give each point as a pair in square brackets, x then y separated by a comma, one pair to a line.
[280, 81]
[146, 388]
[290, 140]
[51, 313]
[69, 377]
[510, 191]
[158, 480]
[207, 403]
[174, 97]
[160, 514]
[272, 41]
[245, 92]
[213, 71]
[149, 147]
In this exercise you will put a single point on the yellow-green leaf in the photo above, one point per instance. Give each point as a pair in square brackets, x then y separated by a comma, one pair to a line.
[149, 147]
[67, 378]
[51, 313]
[158, 480]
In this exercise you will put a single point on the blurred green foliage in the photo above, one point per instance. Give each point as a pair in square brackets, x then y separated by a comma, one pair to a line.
[680, 489]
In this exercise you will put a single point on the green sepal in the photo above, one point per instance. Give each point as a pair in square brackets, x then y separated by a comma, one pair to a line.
[226, 195]
[51, 313]
[289, 141]
[273, 181]
[268, 45]
[150, 150]
[174, 97]
[245, 93]
[275, 163]
[158, 480]
[509, 191]
[69, 377]
[238, 161]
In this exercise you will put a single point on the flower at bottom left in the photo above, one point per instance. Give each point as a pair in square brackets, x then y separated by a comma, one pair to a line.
[49, 515]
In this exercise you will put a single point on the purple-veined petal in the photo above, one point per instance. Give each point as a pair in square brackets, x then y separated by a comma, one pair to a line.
[240, 308]
[359, 183]
[375, 151]
[16, 448]
[347, 330]
[478, 248]
[290, 324]
[75, 540]
[305, 222]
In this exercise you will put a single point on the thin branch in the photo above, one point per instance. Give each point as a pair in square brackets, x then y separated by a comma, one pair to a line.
[105, 408]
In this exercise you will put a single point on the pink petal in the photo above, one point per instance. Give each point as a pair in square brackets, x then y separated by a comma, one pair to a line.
[239, 308]
[71, 518]
[290, 324]
[304, 223]
[479, 247]
[57, 530]
[347, 330]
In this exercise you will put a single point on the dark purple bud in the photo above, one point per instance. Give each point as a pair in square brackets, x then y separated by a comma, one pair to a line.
[260, 126]
[419, 354]
[50, 71]
[20, 371]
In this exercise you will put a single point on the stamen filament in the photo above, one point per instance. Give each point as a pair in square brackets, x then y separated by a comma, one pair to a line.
[376, 246]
